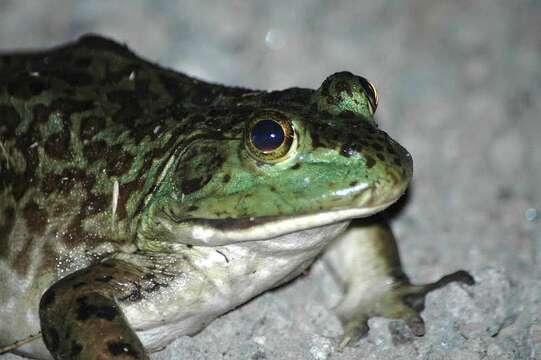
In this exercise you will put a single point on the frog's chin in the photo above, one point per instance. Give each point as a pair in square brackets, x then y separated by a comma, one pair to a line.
[214, 232]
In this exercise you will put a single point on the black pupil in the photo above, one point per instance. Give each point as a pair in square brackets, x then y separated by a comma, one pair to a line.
[267, 135]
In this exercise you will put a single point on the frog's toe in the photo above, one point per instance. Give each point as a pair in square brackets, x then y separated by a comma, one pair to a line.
[411, 317]
[461, 276]
[355, 328]
[414, 295]
[393, 307]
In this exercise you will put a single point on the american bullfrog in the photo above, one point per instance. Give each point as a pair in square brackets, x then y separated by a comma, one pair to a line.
[137, 204]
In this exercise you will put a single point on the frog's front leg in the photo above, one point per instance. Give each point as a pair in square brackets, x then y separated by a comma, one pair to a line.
[366, 261]
[81, 319]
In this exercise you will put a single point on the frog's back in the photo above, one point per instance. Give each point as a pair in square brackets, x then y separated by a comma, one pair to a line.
[55, 171]
[85, 131]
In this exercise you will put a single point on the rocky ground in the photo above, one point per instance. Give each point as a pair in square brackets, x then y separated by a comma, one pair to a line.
[460, 87]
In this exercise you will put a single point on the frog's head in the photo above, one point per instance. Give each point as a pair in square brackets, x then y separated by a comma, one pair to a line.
[286, 166]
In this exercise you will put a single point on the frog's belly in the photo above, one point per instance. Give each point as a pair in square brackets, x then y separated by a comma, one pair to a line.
[210, 286]
[224, 280]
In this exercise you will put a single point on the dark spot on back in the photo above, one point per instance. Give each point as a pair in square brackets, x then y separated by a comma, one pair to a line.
[197, 121]
[73, 77]
[94, 204]
[316, 142]
[391, 150]
[377, 146]
[95, 150]
[67, 106]
[21, 182]
[192, 208]
[48, 258]
[35, 217]
[130, 109]
[226, 178]
[347, 114]
[173, 86]
[202, 95]
[118, 161]
[21, 260]
[57, 145]
[76, 349]
[125, 192]
[353, 183]
[369, 161]
[66, 180]
[9, 120]
[18, 87]
[188, 186]
[73, 234]
[82, 62]
[296, 166]
[90, 126]
[5, 229]
[37, 86]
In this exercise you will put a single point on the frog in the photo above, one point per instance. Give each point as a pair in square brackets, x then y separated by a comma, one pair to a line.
[138, 204]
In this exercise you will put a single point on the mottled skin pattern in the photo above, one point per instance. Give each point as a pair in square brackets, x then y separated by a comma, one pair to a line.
[132, 210]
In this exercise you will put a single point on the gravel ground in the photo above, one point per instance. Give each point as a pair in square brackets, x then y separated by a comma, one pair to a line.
[460, 87]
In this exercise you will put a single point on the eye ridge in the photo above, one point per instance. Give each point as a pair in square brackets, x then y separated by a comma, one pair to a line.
[371, 91]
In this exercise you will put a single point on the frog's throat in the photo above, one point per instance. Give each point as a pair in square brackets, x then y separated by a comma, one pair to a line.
[214, 232]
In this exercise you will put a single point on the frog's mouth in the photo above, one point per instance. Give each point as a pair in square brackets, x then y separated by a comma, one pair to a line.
[212, 232]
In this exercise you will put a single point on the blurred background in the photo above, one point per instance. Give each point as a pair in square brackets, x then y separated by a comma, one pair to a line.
[460, 88]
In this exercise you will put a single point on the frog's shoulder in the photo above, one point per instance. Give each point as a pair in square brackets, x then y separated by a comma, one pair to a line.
[76, 54]
[83, 132]
[114, 55]
[101, 44]
[93, 62]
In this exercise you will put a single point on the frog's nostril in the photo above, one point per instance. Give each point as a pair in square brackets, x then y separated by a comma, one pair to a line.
[348, 149]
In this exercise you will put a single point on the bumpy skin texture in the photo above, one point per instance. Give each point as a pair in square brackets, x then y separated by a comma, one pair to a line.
[132, 211]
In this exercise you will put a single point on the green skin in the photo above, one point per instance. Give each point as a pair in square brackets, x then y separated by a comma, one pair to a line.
[121, 181]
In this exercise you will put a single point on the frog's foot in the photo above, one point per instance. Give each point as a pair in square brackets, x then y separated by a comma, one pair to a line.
[402, 300]
[81, 319]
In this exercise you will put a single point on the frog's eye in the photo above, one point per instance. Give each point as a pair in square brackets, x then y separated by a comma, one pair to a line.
[371, 92]
[269, 137]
